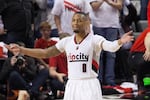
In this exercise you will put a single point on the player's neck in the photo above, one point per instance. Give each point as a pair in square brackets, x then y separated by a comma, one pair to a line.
[80, 36]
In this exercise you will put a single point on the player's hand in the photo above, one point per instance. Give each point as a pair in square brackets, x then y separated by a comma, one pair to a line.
[127, 37]
[14, 48]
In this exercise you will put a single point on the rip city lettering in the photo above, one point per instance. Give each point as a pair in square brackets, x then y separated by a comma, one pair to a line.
[78, 57]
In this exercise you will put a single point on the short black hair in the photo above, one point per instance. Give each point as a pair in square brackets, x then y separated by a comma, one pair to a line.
[85, 15]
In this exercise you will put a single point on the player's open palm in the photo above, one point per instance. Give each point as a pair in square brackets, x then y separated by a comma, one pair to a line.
[127, 37]
[14, 48]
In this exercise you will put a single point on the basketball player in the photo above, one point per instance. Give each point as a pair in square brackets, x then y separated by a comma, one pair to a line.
[80, 49]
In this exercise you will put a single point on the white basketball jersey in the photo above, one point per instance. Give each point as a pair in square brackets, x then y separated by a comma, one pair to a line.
[79, 56]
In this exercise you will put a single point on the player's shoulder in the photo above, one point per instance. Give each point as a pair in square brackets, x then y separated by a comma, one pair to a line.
[97, 36]
[68, 38]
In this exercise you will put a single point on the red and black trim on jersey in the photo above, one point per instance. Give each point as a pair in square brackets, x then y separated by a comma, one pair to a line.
[95, 65]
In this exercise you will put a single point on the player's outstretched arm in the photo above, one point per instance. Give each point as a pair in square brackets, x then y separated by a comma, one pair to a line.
[113, 46]
[33, 52]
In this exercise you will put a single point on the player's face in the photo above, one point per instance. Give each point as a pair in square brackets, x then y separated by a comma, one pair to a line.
[78, 23]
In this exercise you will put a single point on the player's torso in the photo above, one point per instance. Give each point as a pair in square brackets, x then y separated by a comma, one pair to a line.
[80, 58]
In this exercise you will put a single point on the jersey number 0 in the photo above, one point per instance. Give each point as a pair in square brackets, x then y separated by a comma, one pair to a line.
[84, 67]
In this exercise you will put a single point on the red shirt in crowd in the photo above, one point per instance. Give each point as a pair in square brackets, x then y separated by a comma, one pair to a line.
[60, 62]
[148, 13]
[138, 45]
[42, 43]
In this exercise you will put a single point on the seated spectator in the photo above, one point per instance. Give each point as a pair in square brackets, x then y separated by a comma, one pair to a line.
[21, 72]
[140, 55]
[143, 9]
[58, 71]
[45, 41]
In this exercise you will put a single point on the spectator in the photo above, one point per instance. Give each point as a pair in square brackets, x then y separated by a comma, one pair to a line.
[2, 31]
[143, 9]
[18, 26]
[58, 71]
[43, 13]
[127, 18]
[63, 11]
[45, 41]
[105, 21]
[139, 59]
[24, 71]
[80, 49]
[50, 18]
[148, 14]
[140, 55]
